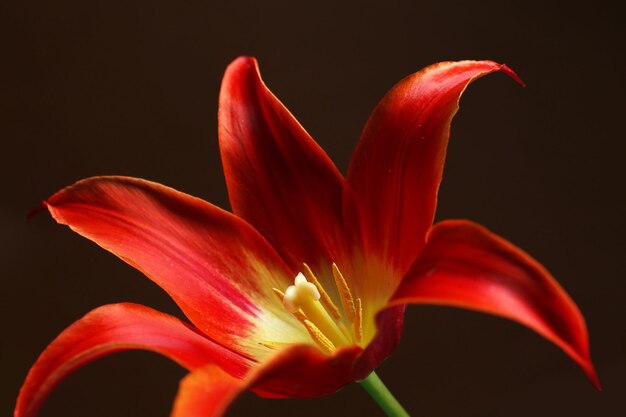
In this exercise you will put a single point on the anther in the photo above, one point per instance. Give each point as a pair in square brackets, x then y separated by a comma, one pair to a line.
[344, 291]
[279, 294]
[324, 297]
[358, 322]
[319, 337]
[272, 345]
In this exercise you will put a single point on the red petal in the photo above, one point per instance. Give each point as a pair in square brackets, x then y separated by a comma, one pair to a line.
[278, 178]
[302, 371]
[396, 168]
[217, 268]
[465, 265]
[115, 328]
[298, 371]
[389, 324]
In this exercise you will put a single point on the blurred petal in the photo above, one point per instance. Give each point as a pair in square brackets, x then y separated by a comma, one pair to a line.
[115, 328]
[465, 265]
[279, 179]
[216, 267]
[397, 166]
[206, 392]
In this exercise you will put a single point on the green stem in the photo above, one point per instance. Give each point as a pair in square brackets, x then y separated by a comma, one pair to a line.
[383, 397]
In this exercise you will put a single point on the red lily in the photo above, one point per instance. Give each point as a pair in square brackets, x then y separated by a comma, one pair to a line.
[365, 243]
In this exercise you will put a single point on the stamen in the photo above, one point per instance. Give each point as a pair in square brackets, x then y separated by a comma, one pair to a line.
[344, 291]
[319, 337]
[358, 321]
[299, 315]
[279, 294]
[324, 297]
[272, 345]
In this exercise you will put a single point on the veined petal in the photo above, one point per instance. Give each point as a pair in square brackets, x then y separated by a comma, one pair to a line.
[115, 328]
[216, 267]
[297, 371]
[278, 178]
[465, 265]
[397, 166]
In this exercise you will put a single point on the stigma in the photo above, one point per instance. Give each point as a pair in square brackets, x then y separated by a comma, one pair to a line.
[309, 302]
[299, 294]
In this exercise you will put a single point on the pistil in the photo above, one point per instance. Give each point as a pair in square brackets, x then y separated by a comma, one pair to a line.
[312, 306]
[324, 297]
[315, 333]
[304, 296]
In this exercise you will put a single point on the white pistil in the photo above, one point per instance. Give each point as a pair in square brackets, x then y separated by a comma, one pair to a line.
[324, 297]
[304, 296]
[300, 293]
[311, 305]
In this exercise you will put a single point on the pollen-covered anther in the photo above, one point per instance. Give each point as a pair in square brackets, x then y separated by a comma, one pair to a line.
[344, 292]
[319, 337]
[358, 321]
[273, 345]
[279, 294]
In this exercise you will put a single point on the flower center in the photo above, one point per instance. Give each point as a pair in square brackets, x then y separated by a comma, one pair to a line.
[312, 306]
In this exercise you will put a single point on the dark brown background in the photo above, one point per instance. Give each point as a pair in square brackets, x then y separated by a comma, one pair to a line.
[130, 87]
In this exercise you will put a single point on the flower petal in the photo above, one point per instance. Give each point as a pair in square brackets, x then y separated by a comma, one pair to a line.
[206, 392]
[279, 179]
[297, 371]
[389, 325]
[114, 328]
[465, 265]
[303, 371]
[397, 166]
[216, 267]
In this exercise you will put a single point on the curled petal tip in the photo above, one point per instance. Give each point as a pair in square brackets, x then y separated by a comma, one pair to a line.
[584, 361]
[398, 163]
[590, 371]
[243, 62]
[508, 71]
[41, 207]
[465, 265]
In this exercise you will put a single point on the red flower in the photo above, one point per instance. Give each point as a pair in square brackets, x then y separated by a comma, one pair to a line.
[367, 238]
